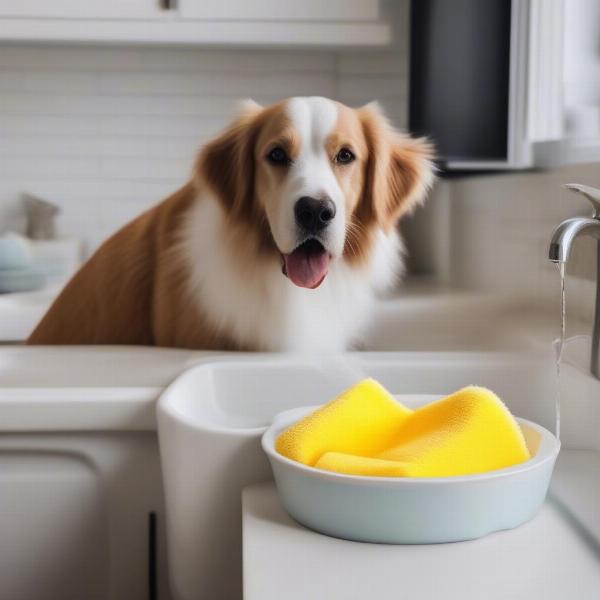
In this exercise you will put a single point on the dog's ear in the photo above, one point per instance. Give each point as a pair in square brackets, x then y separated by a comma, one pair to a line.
[226, 163]
[399, 170]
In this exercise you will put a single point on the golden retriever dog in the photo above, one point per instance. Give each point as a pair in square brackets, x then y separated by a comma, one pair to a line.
[280, 241]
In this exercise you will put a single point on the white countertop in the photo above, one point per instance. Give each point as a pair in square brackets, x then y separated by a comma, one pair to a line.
[555, 556]
[116, 387]
[45, 388]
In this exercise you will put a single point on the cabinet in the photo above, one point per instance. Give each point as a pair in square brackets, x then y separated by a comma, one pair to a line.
[53, 519]
[86, 9]
[275, 10]
[259, 23]
[75, 513]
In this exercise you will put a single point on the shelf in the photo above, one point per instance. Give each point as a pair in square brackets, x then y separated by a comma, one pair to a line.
[194, 32]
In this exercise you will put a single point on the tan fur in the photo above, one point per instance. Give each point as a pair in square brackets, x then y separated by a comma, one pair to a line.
[133, 289]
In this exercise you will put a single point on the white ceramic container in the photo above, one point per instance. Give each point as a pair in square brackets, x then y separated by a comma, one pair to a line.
[398, 510]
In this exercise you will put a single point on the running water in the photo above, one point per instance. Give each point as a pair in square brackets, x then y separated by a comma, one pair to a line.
[560, 343]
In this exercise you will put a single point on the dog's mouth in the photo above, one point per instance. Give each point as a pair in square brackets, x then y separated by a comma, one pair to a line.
[307, 265]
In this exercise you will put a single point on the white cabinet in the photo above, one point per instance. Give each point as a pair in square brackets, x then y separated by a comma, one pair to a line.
[82, 9]
[330, 23]
[276, 10]
[81, 514]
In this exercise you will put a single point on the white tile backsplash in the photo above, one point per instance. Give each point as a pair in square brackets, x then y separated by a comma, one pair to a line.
[107, 132]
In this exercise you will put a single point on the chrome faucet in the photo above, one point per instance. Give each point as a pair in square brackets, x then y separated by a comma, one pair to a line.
[560, 249]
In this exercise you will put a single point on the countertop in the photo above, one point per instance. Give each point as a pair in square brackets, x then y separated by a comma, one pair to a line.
[86, 387]
[116, 387]
[554, 556]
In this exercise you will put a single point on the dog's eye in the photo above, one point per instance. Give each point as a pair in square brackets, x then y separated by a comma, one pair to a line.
[344, 156]
[278, 156]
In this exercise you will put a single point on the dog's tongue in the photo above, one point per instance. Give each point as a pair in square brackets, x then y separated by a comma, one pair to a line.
[307, 266]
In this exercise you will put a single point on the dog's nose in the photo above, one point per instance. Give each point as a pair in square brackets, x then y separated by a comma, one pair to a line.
[312, 214]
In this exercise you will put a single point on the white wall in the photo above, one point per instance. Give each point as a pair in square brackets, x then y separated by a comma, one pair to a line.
[106, 132]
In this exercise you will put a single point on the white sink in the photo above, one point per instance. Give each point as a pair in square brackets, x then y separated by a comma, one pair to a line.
[211, 418]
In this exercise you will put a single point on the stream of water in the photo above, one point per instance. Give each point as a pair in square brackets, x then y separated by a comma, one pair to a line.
[561, 343]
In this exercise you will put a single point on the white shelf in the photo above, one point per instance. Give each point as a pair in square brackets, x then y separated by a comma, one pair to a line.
[196, 32]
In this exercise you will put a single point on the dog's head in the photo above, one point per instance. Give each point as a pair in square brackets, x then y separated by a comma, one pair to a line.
[315, 179]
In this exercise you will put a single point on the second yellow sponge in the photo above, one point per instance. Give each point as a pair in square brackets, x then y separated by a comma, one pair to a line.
[364, 420]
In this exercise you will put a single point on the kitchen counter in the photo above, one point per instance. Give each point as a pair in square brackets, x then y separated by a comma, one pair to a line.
[554, 556]
[46, 388]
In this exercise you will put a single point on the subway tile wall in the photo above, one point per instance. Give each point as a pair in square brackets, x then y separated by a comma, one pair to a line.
[106, 133]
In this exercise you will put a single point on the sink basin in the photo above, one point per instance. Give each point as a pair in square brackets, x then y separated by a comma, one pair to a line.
[211, 419]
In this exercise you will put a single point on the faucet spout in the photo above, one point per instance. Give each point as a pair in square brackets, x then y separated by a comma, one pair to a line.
[560, 250]
[567, 232]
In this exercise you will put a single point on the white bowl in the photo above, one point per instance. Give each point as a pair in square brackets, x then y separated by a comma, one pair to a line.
[412, 510]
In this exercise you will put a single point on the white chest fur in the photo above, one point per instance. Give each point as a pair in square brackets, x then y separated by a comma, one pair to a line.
[256, 306]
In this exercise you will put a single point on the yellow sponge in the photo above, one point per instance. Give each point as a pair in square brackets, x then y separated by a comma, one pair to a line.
[366, 432]
[468, 432]
[364, 420]
[350, 464]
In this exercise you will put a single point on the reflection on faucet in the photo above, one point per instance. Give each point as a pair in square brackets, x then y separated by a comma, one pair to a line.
[560, 249]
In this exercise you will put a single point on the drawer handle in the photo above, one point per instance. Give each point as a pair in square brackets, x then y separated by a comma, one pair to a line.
[167, 4]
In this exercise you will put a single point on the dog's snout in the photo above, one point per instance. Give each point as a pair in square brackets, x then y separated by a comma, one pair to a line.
[312, 214]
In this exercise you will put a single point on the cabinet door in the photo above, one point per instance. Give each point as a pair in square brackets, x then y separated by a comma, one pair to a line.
[53, 524]
[83, 9]
[275, 10]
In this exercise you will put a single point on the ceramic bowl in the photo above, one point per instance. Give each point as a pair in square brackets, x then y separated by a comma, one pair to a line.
[412, 510]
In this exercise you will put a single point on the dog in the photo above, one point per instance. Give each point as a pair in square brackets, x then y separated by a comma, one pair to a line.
[279, 242]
